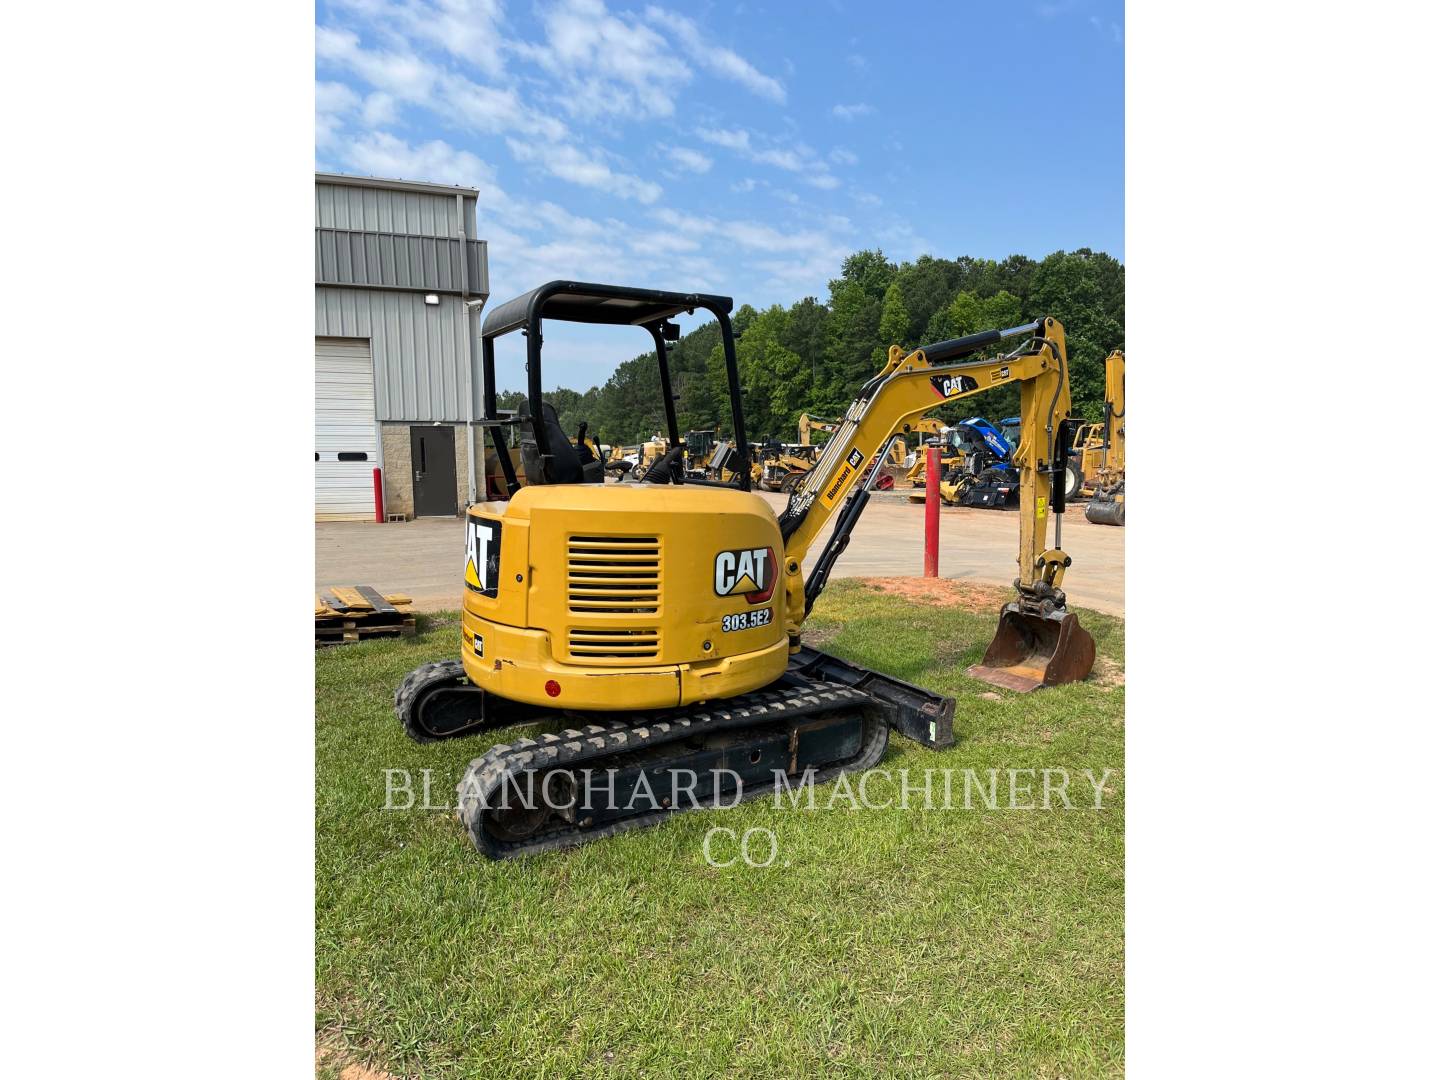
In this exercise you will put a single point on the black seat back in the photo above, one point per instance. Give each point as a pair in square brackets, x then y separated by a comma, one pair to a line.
[565, 467]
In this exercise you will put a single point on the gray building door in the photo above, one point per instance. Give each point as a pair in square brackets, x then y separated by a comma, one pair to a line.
[432, 458]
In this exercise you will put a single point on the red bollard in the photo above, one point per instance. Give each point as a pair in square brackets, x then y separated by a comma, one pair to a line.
[379, 499]
[932, 511]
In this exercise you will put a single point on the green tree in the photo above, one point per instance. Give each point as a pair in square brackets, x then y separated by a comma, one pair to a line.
[814, 357]
[1085, 290]
[894, 321]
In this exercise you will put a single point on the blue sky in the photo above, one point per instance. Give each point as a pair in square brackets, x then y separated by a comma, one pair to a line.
[738, 148]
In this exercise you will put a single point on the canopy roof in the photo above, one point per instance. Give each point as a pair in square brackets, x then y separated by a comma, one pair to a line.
[579, 301]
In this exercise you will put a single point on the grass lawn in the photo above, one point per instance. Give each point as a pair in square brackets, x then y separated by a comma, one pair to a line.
[916, 943]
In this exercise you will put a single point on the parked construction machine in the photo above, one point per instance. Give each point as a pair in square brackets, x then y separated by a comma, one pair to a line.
[916, 461]
[1107, 504]
[659, 625]
[810, 424]
[783, 466]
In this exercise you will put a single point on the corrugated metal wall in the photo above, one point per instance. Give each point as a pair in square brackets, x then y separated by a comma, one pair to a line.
[338, 206]
[416, 346]
[396, 261]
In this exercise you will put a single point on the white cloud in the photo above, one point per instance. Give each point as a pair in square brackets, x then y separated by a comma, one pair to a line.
[850, 112]
[719, 61]
[469, 30]
[731, 140]
[382, 154]
[409, 78]
[333, 102]
[379, 110]
[402, 74]
[797, 158]
[755, 235]
[604, 63]
[570, 163]
[442, 66]
[789, 160]
[687, 159]
[334, 97]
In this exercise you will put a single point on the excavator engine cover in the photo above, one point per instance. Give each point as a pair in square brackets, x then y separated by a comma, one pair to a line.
[1032, 650]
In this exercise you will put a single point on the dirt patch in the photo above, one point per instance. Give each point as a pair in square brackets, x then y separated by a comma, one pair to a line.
[330, 1061]
[942, 592]
[1107, 672]
[820, 635]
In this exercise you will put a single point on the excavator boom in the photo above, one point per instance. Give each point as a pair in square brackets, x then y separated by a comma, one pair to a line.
[1038, 643]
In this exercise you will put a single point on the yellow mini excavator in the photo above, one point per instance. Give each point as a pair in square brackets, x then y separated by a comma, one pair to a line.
[658, 625]
[811, 424]
[1107, 504]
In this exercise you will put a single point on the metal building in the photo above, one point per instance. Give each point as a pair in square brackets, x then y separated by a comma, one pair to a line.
[400, 277]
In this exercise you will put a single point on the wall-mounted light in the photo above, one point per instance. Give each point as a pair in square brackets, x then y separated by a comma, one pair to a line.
[431, 298]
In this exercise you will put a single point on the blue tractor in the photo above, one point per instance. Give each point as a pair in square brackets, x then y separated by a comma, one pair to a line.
[986, 475]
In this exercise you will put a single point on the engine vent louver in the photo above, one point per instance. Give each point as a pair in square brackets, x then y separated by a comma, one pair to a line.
[624, 644]
[613, 575]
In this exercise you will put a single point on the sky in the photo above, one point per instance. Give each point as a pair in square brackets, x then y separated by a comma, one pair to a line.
[734, 148]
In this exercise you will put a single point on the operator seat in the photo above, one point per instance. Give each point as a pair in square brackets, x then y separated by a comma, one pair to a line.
[565, 464]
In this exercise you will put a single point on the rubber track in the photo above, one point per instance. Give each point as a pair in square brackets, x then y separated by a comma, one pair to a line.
[486, 775]
[422, 680]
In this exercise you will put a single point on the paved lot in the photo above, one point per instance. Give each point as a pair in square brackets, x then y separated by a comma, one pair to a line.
[424, 558]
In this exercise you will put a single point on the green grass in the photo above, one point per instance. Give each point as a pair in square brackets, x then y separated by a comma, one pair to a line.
[881, 942]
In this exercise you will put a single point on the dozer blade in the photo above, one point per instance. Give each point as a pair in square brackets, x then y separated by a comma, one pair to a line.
[1030, 651]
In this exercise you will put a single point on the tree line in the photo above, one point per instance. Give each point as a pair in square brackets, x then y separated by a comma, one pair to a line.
[814, 357]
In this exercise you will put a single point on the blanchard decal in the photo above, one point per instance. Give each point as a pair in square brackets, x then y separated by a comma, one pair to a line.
[837, 486]
[948, 386]
[482, 555]
[748, 572]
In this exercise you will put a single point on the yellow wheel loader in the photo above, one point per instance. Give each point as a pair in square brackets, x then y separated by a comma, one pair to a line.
[656, 628]
[1107, 504]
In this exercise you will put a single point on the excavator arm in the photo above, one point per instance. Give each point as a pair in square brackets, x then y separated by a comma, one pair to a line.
[810, 423]
[909, 385]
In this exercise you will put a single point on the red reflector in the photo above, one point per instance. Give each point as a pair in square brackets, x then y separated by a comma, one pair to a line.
[552, 688]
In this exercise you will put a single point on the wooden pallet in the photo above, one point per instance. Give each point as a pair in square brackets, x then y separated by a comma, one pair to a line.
[358, 613]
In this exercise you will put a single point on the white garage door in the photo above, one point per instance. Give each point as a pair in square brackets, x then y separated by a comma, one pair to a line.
[345, 450]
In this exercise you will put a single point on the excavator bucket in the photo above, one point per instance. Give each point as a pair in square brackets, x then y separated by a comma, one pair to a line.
[1106, 508]
[1030, 651]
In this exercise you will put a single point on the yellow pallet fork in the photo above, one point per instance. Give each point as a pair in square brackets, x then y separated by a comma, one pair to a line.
[658, 626]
